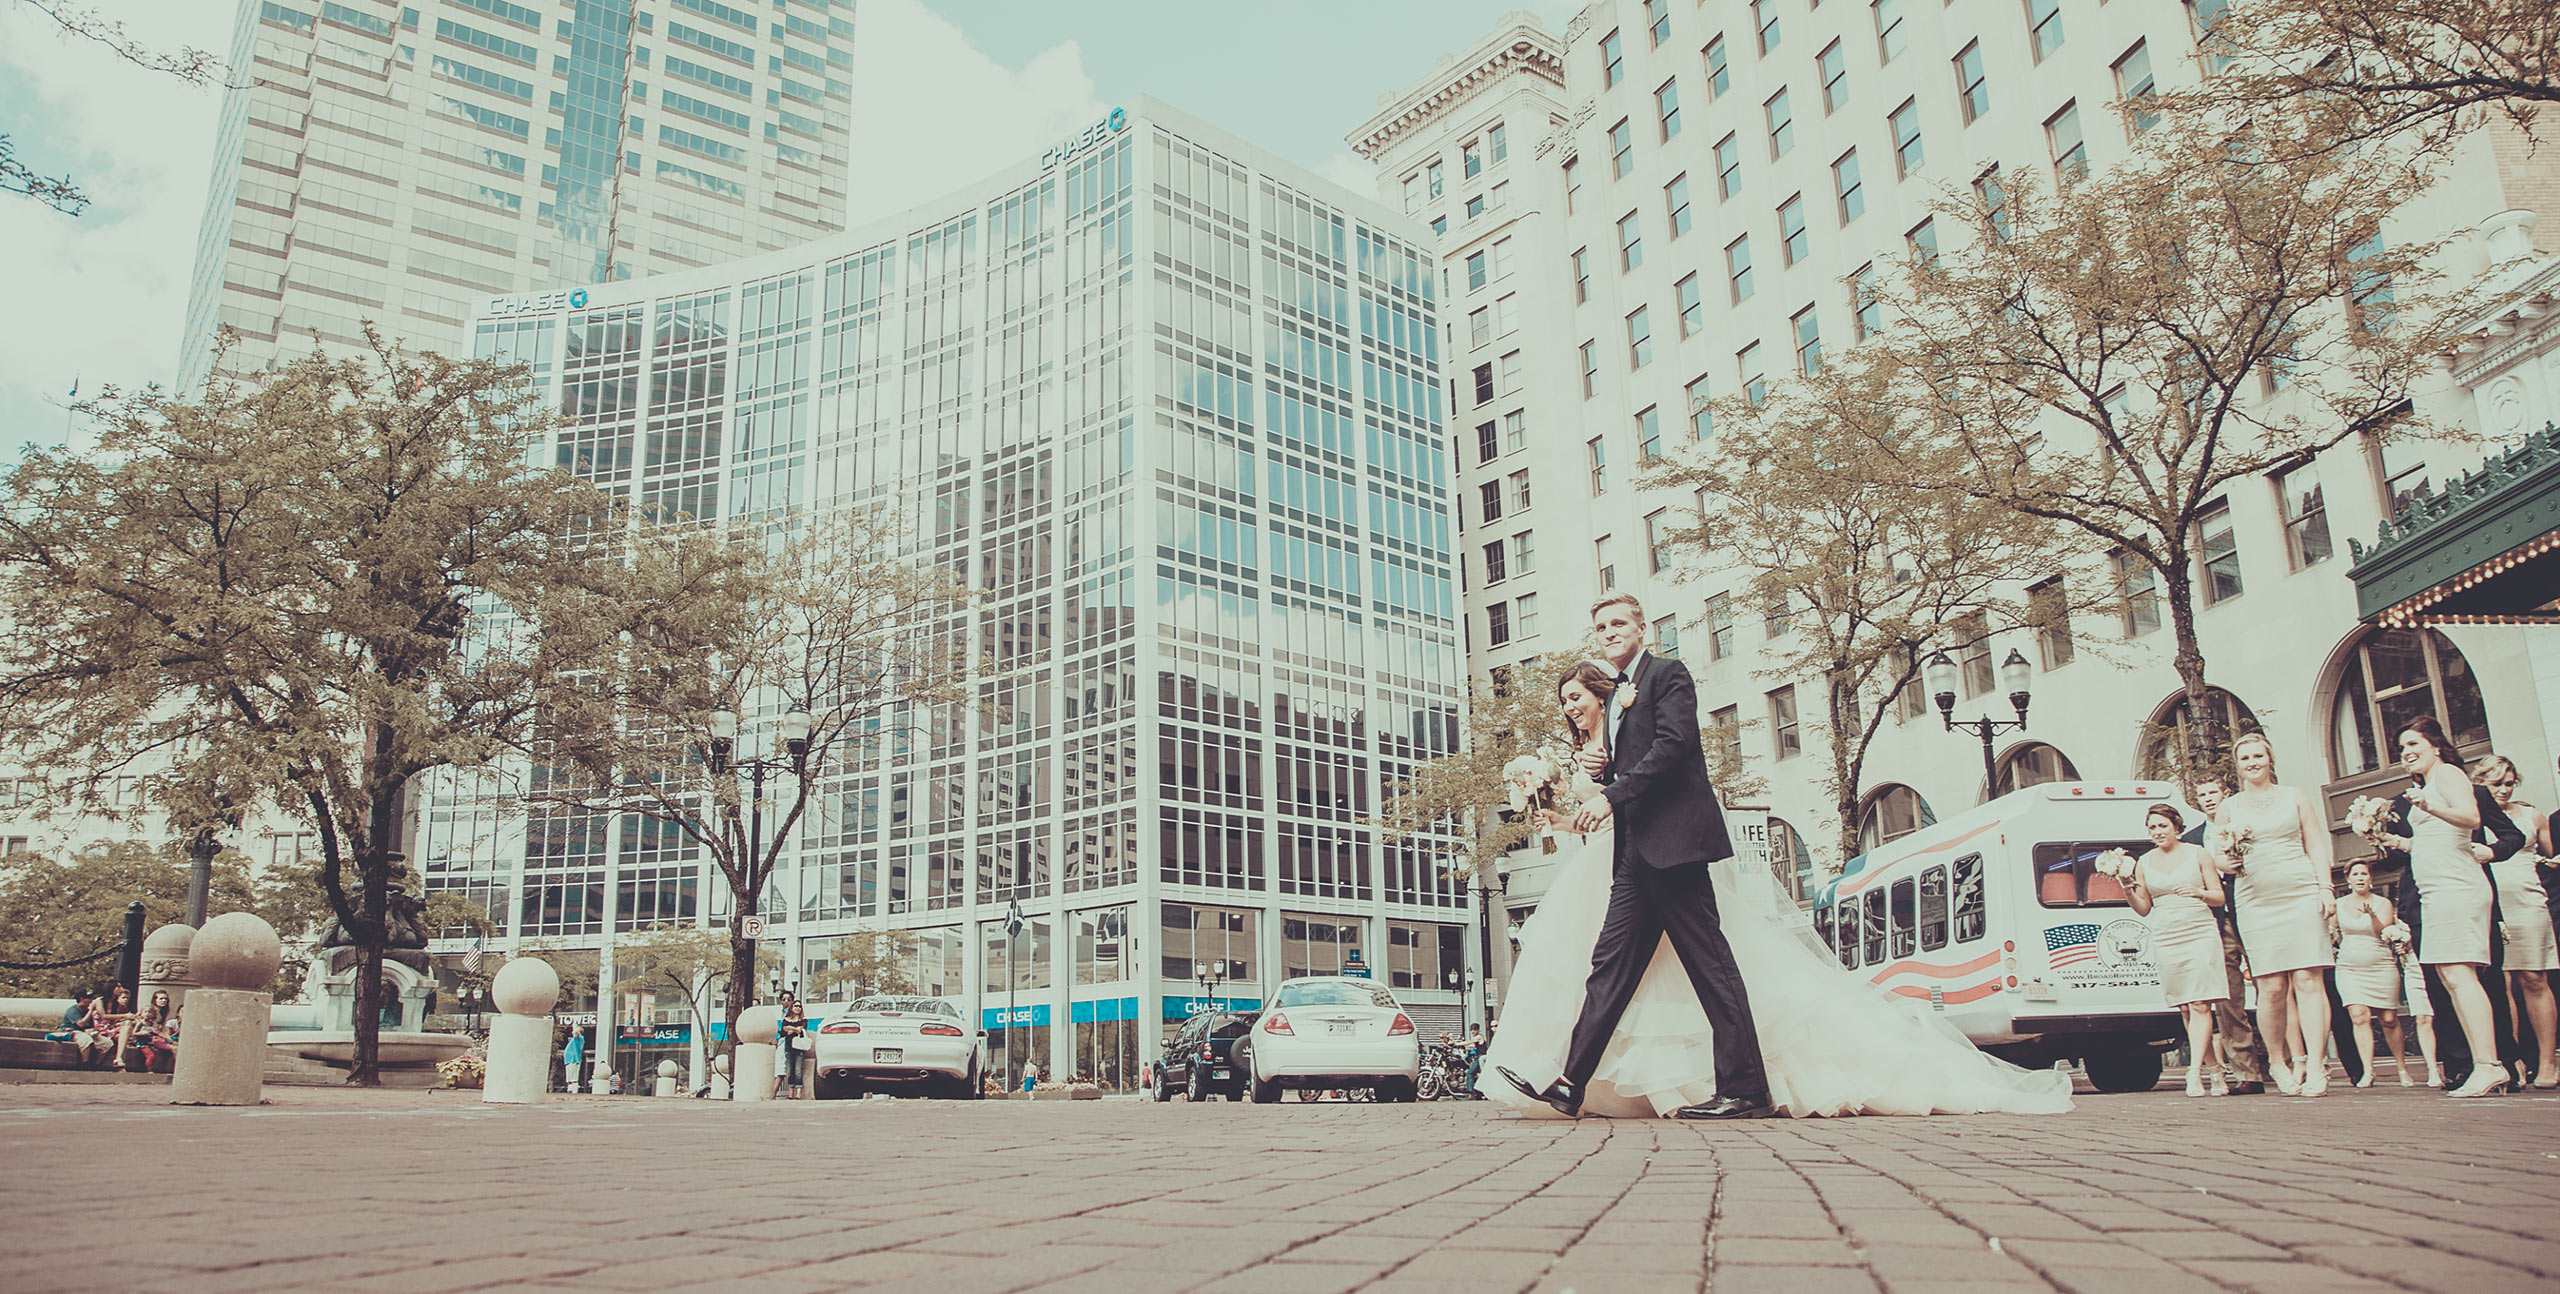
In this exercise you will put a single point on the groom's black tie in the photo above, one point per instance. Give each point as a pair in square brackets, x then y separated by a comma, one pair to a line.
[1622, 676]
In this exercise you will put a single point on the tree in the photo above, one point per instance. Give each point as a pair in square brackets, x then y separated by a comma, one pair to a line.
[866, 963]
[687, 961]
[194, 66]
[2102, 357]
[321, 581]
[56, 910]
[1873, 576]
[2369, 68]
[832, 635]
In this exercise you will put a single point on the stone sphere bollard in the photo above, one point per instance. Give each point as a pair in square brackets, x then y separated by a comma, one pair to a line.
[753, 1077]
[164, 964]
[519, 1070]
[666, 1078]
[222, 1044]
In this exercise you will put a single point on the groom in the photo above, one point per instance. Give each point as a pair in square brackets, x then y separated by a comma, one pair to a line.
[1654, 784]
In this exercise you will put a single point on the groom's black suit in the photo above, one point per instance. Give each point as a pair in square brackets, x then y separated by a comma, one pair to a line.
[1668, 830]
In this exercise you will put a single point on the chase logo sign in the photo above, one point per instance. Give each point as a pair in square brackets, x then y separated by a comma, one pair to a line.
[506, 307]
[1090, 136]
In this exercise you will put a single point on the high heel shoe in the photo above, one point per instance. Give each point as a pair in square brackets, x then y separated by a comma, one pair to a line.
[2405, 1080]
[2316, 1081]
[2218, 1083]
[2547, 1080]
[2367, 1080]
[2435, 1074]
[2282, 1075]
[2485, 1080]
[2195, 1080]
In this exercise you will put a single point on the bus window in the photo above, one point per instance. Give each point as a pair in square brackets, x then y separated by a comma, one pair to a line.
[1848, 950]
[1933, 908]
[2067, 877]
[1822, 930]
[1902, 945]
[1876, 926]
[1972, 920]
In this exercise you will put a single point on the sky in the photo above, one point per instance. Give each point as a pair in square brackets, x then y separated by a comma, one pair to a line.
[945, 92]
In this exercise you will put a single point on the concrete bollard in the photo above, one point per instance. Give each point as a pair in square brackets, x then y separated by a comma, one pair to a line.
[164, 964]
[520, 1037]
[719, 1078]
[753, 1077]
[222, 1045]
[666, 1078]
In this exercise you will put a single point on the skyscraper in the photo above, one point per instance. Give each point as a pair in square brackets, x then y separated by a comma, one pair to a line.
[1175, 406]
[389, 162]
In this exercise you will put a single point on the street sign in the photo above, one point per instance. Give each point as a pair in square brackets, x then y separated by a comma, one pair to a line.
[1355, 971]
[751, 927]
[1013, 919]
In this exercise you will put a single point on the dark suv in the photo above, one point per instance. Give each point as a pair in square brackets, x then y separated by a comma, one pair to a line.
[1197, 1060]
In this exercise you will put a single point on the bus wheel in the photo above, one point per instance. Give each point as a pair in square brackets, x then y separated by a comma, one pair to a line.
[2131, 1068]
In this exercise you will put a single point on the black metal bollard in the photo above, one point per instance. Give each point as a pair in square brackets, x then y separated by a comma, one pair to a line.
[129, 961]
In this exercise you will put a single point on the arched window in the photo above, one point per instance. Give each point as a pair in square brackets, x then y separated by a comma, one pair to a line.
[1890, 813]
[1790, 859]
[2034, 764]
[2164, 738]
[2391, 677]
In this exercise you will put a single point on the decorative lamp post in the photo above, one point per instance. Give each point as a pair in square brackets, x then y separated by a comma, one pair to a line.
[473, 1002]
[2014, 675]
[1212, 977]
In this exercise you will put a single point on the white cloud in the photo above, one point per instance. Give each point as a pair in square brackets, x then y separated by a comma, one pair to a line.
[932, 114]
[101, 297]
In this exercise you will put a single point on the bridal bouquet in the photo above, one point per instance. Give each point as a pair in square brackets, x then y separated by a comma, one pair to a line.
[2230, 840]
[1535, 781]
[2367, 816]
[2396, 935]
[2116, 863]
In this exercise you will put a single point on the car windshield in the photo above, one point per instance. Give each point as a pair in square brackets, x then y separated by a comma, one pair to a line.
[915, 1005]
[1335, 993]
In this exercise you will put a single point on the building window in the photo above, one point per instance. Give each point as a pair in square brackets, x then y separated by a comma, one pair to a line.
[2034, 764]
[2049, 610]
[1834, 67]
[1666, 108]
[1791, 859]
[1440, 225]
[1494, 568]
[1649, 434]
[1413, 193]
[1891, 813]
[1639, 338]
[1506, 314]
[1483, 375]
[1846, 186]
[2044, 27]
[1489, 494]
[2137, 591]
[1692, 312]
[2306, 519]
[1719, 627]
[1701, 421]
[1431, 175]
[1785, 738]
[1477, 275]
[1657, 542]
[1480, 326]
[1922, 239]
[1737, 268]
[1520, 493]
[1728, 166]
[1572, 184]
[1666, 636]
[1502, 258]
[1973, 89]
[1622, 150]
[2204, 17]
[1630, 241]
[2402, 463]
[1510, 372]
[1675, 199]
[1515, 431]
[1792, 244]
[1906, 137]
[1613, 60]
[1777, 618]
[1581, 275]
[1719, 73]
[1524, 546]
[1598, 452]
[1608, 568]
[1764, 17]
[1973, 654]
[1866, 312]
[1808, 334]
[1488, 442]
[1782, 125]
[1524, 615]
[1995, 203]
[1755, 381]
[2062, 132]
[1657, 21]
[2134, 84]
[1590, 370]
[1497, 623]
[1497, 142]
[1470, 160]
[2165, 745]
[1475, 206]
[2219, 550]
[2392, 677]
[1889, 34]
[1724, 728]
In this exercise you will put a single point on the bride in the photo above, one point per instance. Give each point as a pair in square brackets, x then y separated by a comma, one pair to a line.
[1832, 1045]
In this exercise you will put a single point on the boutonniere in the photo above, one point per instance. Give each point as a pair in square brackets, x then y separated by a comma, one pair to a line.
[1626, 696]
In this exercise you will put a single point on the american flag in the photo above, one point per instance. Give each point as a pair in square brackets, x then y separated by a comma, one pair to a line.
[2071, 945]
[471, 959]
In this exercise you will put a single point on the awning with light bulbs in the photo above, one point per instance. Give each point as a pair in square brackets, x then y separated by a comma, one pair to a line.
[2484, 551]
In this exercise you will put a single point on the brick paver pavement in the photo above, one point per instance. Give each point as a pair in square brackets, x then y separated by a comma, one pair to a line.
[104, 1188]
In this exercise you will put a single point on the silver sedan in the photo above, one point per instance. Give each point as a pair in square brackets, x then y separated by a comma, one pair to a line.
[911, 1046]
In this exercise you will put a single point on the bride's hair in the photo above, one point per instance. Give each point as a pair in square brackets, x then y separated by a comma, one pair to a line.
[1597, 679]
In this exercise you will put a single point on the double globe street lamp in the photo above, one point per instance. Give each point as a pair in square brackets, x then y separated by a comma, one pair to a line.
[794, 729]
[1943, 675]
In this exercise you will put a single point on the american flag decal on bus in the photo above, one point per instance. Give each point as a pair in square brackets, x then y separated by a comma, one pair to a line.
[2071, 945]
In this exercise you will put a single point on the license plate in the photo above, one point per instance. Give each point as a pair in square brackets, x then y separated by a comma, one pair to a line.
[887, 1055]
[1218, 1073]
[1338, 1026]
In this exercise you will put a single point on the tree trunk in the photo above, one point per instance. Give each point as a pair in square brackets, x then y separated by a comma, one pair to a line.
[742, 968]
[1846, 767]
[365, 1069]
[2201, 744]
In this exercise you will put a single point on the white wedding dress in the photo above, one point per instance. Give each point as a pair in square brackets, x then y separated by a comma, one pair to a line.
[1831, 1044]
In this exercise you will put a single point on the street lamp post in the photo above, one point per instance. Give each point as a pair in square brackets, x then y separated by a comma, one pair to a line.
[1212, 977]
[721, 757]
[1486, 900]
[2013, 676]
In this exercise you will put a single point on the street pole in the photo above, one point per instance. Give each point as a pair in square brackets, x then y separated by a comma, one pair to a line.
[201, 847]
[1012, 983]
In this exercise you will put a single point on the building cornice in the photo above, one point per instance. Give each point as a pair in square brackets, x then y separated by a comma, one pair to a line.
[1519, 48]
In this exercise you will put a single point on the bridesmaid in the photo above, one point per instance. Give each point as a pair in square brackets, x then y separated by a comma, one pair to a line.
[2176, 888]
[2454, 893]
[2282, 884]
[2524, 914]
[2369, 978]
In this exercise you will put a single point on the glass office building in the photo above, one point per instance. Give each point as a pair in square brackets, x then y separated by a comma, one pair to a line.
[1176, 407]
[393, 161]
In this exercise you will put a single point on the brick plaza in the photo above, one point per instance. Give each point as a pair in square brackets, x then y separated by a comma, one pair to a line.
[108, 1189]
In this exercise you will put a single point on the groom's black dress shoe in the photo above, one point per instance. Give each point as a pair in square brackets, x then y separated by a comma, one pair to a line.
[1562, 1094]
[1728, 1107]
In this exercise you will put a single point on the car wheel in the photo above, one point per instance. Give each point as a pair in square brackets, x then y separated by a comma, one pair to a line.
[977, 1083]
[2128, 1068]
[1164, 1086]
[1264, 1093]
[1193, 1089]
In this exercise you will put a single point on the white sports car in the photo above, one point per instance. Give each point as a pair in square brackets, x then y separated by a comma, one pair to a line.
[1326, 1032]
[912, 1046]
